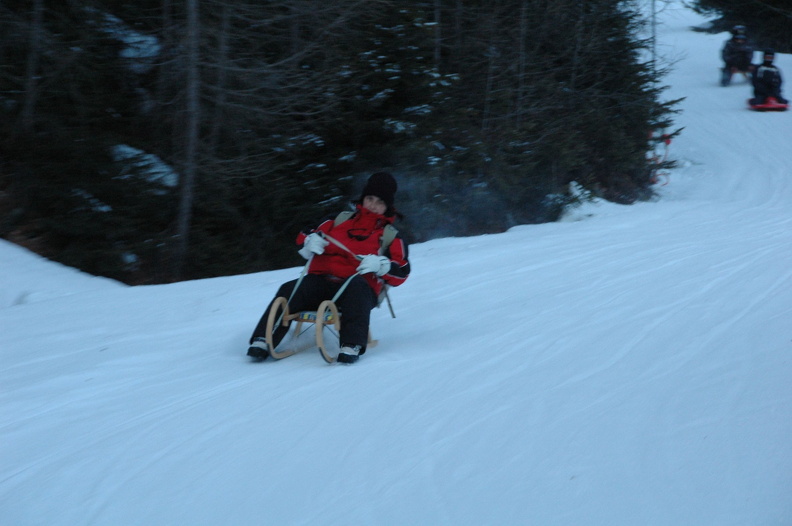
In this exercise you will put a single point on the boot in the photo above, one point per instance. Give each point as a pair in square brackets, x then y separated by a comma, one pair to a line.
[349, 354]
[258, 350]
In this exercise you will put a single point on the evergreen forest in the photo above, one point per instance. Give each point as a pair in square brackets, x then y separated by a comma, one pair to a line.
[152, 141]
[768, 22]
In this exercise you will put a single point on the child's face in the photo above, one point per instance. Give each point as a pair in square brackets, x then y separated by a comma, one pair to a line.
[372, 203]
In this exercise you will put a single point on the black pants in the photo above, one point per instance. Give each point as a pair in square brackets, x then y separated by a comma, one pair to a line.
[762, 92]
[355, 305]
[742, 65]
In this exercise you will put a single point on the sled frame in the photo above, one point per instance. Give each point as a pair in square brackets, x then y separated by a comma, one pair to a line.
[726, 81]
[326, 316]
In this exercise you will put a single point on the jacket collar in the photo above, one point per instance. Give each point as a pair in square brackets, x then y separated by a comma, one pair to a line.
[368, 215]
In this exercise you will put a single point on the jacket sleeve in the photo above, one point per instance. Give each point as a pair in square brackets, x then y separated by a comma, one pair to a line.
[325, 227]
[400, 265]
[726, 51]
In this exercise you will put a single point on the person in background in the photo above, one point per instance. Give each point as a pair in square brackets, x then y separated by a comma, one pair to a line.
[357, 250]
[767, 80]
[737, 56]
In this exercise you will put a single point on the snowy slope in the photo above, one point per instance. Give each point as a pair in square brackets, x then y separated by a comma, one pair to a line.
[629, 368]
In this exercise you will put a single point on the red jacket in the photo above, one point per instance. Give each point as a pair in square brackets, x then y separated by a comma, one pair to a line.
[361, 234]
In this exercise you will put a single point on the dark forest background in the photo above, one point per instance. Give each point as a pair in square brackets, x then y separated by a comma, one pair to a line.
[768, 22]
[270, 114]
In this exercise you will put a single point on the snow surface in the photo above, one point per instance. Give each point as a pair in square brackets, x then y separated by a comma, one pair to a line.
[140, 49]
[154, 169]
[631, 367]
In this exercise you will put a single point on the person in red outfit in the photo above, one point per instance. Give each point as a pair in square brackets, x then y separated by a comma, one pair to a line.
[338, 250]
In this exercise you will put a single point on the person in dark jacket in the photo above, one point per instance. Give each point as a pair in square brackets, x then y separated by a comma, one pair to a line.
[355, 251]
[767, 80]
[737, 56]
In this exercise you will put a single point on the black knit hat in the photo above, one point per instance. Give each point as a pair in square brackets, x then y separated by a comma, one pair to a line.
[382, 185]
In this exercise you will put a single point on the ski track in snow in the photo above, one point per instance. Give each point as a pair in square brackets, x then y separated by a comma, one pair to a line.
[631, 367]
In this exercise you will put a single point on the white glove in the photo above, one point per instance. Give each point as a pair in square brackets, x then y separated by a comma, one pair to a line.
[313, 244]
[380, 265]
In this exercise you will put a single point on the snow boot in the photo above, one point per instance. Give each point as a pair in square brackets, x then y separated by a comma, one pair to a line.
[258, 350]
[349, 354]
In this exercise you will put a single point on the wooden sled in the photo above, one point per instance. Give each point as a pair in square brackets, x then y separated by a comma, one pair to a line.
[326, 316]
[726, 75]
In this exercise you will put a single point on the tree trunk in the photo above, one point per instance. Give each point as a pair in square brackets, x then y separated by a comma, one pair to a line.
[522, 61]
[187, 184]
[31, 68]
[438, 34]
[222, 77]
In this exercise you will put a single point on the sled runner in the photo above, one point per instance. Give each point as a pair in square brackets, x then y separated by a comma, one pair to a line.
[770, 104]
[326, 316]
[727, 73]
